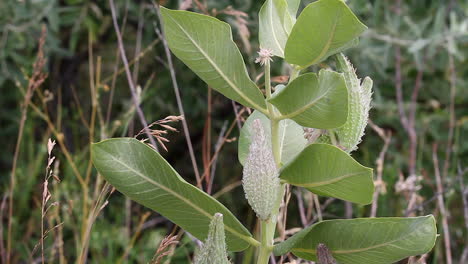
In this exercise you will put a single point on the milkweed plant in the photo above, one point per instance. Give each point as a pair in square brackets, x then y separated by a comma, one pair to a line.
[300, 134]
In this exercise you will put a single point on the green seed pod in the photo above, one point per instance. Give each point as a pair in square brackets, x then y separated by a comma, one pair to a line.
[214, 249]
[324, 256]
[359, 97]
[260, 176]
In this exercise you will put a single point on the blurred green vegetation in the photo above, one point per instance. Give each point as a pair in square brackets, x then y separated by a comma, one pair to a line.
[82, 56]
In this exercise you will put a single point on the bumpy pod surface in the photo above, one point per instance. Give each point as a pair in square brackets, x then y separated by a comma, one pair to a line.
[324, 256]
[214, 249]
[359, 99]
[260, 176]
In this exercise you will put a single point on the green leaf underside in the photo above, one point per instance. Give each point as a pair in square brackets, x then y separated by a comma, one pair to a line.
[323, 28]
[205, 45]
[365, 240]
[275, 22]
[291, 135]
[314, 102]
[293, 6]
[329, 171]
[140, 173]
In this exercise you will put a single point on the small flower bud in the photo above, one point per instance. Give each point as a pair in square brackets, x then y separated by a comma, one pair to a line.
[359, 98]
[264, 56]
[260, 176]
[214, 248]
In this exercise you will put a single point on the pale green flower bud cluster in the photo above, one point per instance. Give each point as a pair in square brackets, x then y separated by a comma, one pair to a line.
[260, 176]
[214, 249]
[359, 98]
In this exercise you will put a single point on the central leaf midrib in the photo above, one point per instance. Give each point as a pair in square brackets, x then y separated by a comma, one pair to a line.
[168, 190]
[213, 64]
[273, 27]
[328, 43]
[322, 183]
[358, 250]
[307, 106]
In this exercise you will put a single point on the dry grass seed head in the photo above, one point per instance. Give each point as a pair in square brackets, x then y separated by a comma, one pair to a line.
[159, 134]
[164, 248]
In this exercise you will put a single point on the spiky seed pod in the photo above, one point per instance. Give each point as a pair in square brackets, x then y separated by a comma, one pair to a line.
[260, 176]
[324, 256]
[359, 98]
[214, 248]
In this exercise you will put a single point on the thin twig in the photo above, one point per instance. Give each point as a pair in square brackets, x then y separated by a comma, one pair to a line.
[300, 203]
[2, 245]
[37, 78]
[141, 21]
[134, 237]
[225, 139]
[206, 146]
[443, 212]
[178, 97]
[318, 210]
[386, 137]
[464, 194]
[227, 189]
[116, 69]
[218, 146]
[129, 76]
[449, 147]
[236, 112]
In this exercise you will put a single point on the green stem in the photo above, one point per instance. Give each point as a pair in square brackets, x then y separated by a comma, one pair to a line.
[333, 137]
[266, 241]
[275, 144]
[268, 227]
[295, 72]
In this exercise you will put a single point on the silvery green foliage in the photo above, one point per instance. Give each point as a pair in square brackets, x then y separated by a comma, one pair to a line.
[214, 249]
[260, 176]
[359, 98]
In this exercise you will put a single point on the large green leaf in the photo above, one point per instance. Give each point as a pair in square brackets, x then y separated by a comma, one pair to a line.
[365, 240]
[323, 28]
[327, 170]
[293, 6]
[276, 21]
[291, 135]
[140, 173]
[205, 45]
[314, 102]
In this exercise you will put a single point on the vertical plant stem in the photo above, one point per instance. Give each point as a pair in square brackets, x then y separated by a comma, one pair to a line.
[131, 84]
[318, 208]
[268, 227]
[441, 204]
[452, 119]
[266, 242]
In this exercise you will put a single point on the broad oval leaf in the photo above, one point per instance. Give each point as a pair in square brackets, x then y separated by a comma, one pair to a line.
[275, 22]
[329, 171]
[314, 102]
[365, 240]
[140, 173]
[323, 28]
[291, 135]
[205, 45]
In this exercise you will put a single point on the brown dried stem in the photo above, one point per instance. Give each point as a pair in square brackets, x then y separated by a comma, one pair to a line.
[380, 184]
[178, 97]
[441, 205]
[37, 78]
[129, 76]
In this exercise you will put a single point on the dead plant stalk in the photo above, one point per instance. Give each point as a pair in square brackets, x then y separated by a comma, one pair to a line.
[37, 78]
